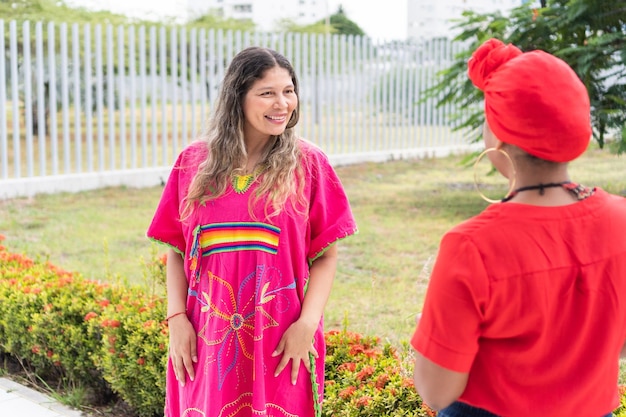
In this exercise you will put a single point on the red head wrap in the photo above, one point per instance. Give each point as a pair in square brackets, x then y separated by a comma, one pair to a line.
[533, 100]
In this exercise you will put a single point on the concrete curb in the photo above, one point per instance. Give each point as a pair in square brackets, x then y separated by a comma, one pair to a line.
[18, 400]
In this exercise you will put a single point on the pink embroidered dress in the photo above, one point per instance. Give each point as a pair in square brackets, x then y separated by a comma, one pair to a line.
[247, 278]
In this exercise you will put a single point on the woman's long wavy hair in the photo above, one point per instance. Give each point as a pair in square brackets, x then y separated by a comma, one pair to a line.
[282, 178]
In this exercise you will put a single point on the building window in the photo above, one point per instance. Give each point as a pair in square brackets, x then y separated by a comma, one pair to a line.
[243, 8]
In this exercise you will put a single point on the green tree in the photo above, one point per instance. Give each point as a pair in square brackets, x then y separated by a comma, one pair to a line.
[289, 25]
[590, 35]
[212, 20]
[336, 24]
[344, 26]
[54, 11]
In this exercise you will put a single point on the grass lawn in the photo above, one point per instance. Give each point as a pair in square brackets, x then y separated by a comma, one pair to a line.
[402, 209]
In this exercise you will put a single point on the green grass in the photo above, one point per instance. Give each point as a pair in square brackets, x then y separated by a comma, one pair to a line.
[402, 209]
[99, 233]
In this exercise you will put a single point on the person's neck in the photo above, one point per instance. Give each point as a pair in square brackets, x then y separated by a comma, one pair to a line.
[254, 150]
[540, 188]
[547, 194]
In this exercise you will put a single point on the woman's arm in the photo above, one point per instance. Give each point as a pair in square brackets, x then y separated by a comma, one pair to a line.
[296, 343]
[439, 387]
[182, 334]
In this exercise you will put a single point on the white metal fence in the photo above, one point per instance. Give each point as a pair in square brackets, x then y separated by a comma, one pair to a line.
[83, 107]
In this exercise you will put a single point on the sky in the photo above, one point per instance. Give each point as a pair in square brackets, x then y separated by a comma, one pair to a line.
[387, 24]
[380, 24]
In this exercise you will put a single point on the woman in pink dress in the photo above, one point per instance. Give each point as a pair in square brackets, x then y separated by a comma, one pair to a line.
[250, 214]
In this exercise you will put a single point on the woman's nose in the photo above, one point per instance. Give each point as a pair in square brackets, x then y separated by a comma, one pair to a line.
[281, 101]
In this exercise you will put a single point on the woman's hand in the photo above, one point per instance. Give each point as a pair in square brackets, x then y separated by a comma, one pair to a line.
[297, 342]
[295, 346]
[182, 347]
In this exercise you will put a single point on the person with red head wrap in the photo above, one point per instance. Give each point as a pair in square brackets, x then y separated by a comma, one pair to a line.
[525, 312]
[532, 100]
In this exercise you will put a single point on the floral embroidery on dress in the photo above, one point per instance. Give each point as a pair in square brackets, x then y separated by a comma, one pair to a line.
[245, 401]
[232, 316]
[194, 412]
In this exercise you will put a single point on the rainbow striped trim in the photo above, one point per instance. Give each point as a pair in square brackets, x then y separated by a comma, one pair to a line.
[238, 236]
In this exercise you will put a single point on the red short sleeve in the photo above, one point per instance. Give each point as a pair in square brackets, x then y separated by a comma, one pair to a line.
[449, 330]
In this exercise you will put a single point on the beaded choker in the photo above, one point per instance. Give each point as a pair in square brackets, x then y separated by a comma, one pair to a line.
[580, 192]
[540, 187]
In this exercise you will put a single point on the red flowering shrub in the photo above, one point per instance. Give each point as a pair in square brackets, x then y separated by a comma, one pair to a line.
[90, 333]
[133, 353]
[346, 393]
[364, 401]
[42, 310]
[365, 379]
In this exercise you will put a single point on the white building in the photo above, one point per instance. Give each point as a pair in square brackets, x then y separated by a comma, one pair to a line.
[264, 13]
[429, 19]
[153, 10]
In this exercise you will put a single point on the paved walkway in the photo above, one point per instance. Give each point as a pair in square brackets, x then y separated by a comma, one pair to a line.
[19, 401]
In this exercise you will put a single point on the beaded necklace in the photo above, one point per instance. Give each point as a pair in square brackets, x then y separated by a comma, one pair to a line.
[579, 191]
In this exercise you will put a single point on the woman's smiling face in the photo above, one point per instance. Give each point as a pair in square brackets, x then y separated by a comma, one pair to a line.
[269, 104]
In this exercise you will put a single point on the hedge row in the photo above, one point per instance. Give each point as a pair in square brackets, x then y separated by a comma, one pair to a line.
[101, 336]
[112, 338]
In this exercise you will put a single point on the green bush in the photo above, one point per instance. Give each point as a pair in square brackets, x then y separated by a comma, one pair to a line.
[366, 380]
[133, 353]
[113, 338]
[90, 334]
[621, 410]
[41, 319]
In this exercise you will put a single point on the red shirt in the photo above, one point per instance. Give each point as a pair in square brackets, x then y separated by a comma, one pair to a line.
[531, 301]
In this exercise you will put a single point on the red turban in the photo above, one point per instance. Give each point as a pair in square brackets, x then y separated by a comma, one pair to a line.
[533, 100]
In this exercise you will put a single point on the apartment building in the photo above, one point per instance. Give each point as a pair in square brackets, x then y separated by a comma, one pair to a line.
[155, 10]
[427, 19]
[264, 13]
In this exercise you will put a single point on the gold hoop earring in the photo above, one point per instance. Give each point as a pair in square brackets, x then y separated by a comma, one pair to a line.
[512, 184]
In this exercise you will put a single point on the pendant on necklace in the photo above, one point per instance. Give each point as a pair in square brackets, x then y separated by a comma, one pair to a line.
[241, 183]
